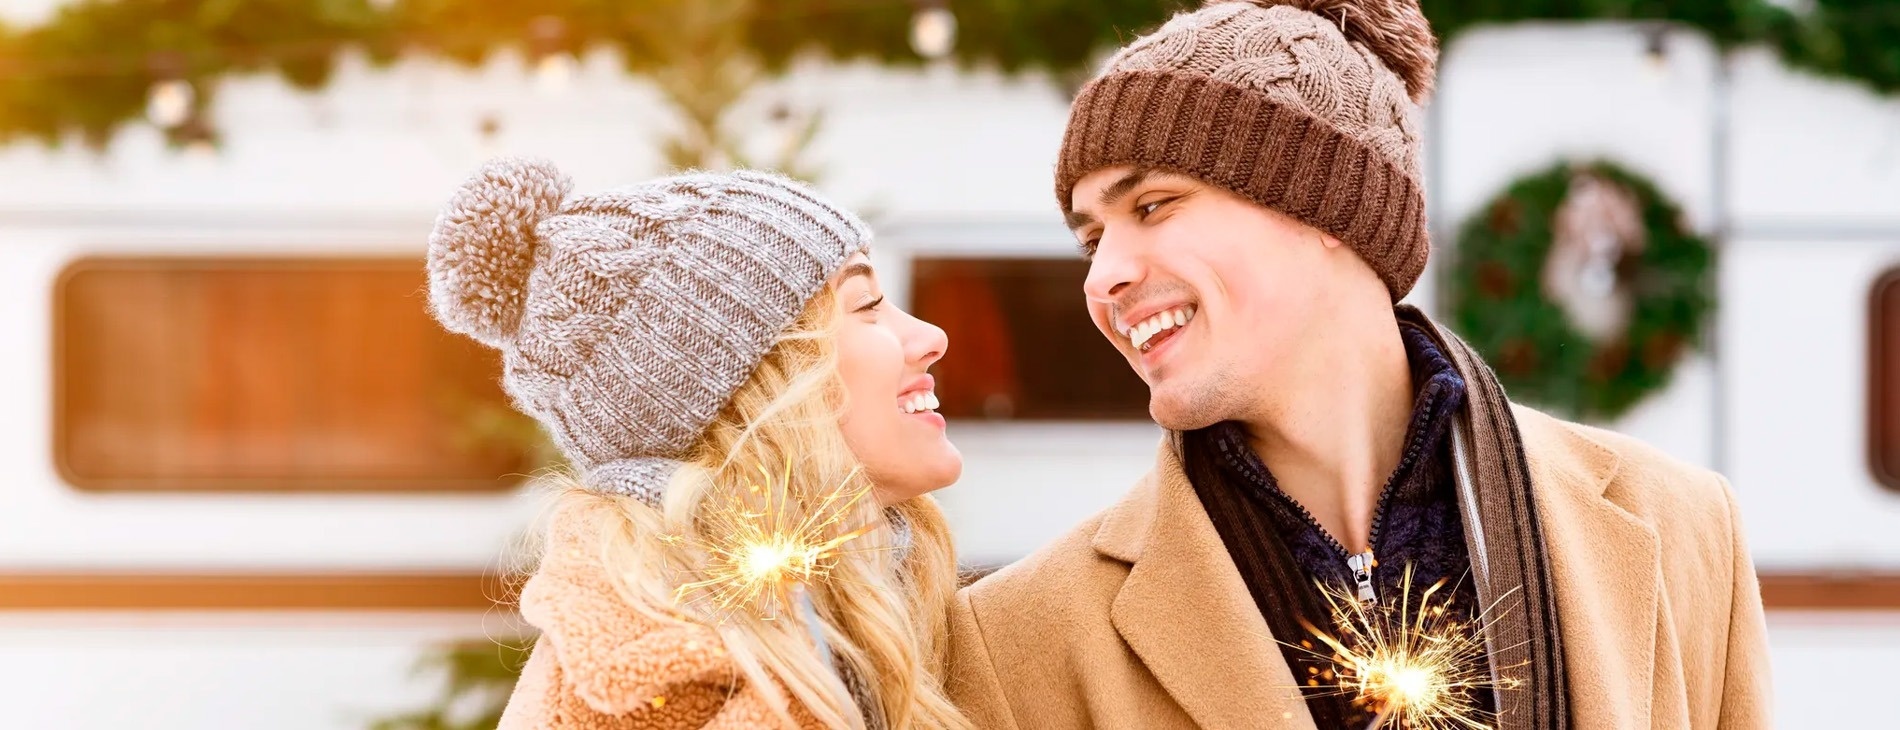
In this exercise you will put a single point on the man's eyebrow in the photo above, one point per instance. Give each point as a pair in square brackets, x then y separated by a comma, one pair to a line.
[1110, 195]
[1077, 220]
[1119, 188]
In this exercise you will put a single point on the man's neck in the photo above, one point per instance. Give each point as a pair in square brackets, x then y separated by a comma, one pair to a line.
[1333, 440]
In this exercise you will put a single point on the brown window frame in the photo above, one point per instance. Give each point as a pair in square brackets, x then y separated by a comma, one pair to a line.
[1019, 381]
[1883, 358]
[60, 416]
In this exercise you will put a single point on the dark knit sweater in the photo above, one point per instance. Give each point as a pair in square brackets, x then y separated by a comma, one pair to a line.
[1282, 551]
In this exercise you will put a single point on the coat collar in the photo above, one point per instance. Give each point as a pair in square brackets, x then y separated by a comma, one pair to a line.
[1186, 612]
[1183, 594]
[1606, 564]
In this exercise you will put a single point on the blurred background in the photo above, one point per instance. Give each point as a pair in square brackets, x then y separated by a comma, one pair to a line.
[251, 485]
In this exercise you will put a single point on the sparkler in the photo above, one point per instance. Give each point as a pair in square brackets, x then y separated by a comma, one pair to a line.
[762, 547]
[1421, 669]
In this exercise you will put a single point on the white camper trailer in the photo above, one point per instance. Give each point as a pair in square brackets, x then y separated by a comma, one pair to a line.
[141, 588]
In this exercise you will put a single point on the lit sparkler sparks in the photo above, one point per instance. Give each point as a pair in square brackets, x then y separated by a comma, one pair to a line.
[1420, 668]
[761, 546]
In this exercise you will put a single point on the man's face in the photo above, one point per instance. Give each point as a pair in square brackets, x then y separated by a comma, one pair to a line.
[1209, 296]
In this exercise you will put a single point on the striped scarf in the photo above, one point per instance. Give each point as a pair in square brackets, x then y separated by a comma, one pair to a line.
[1508, 559]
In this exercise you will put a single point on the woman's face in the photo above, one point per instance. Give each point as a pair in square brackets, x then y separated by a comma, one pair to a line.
[891, 420]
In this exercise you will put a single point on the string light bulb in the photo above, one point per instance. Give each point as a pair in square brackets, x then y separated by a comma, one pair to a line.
[554, 72]
[1656, 49]
[553, 65]
[488, 135]
[195, 138]
[933, 31]
[168, 104]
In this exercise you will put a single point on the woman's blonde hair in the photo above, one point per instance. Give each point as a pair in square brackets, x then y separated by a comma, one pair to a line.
[883, 620]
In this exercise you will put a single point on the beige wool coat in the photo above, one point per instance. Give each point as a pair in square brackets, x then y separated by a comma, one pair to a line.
[1139, 619]
[602, 665]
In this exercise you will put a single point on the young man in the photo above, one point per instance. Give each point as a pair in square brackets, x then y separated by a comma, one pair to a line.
[1245, 182]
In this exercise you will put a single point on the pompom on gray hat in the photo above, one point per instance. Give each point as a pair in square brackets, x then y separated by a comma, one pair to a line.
[626, 319]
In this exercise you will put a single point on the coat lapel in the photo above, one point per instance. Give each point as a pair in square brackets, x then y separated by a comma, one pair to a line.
[1606, 566]
[1186, 613]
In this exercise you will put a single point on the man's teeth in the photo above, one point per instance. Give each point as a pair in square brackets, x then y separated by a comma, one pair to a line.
[1148, 328]
[920, 402]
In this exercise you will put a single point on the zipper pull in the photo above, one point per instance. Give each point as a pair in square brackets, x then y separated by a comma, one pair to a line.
[1361, 566]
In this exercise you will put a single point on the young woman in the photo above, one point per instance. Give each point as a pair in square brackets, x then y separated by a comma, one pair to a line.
[691, 344]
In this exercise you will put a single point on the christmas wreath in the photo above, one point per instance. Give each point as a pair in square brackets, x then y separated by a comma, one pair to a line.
[1582, 286]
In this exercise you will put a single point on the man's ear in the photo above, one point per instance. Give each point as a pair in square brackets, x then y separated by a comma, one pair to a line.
[1327, 239]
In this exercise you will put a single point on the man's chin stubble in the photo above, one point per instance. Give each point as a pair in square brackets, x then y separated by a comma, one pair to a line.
[1180, 416]
[1206, 404]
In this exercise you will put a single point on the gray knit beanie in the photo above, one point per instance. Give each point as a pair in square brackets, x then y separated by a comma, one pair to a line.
[626, 319]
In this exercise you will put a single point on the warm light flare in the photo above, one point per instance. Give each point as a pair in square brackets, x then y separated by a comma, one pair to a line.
[760, 545]
[1416, 667]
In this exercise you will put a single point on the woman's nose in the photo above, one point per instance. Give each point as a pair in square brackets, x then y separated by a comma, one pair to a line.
[925, 342]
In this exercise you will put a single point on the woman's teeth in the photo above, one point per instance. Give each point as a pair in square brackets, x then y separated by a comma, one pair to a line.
[1140, 334]
[920, 402]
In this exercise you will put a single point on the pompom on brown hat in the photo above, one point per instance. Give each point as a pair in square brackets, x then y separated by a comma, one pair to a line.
[1308, 107]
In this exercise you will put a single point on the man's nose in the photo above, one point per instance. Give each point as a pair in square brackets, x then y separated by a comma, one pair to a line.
[1116, 265]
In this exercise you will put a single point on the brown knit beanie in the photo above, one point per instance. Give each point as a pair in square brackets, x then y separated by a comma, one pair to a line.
[1308, 107]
